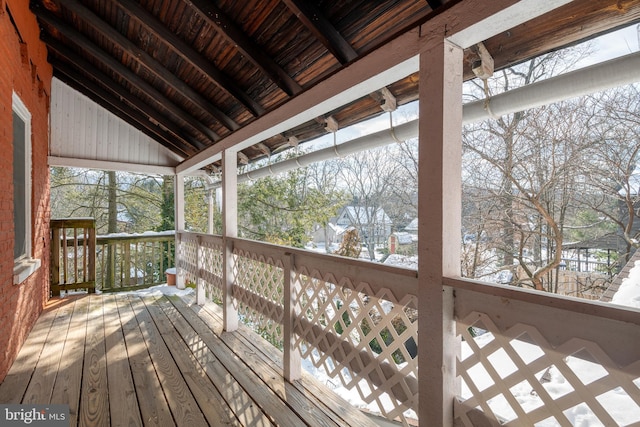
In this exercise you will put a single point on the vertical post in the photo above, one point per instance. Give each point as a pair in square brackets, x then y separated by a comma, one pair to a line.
[211, 200]
[178, 197]
[55, 261]
[292, 360]
[229, 231]
[200, 295]
[112, 248]
[126, 269]
[92, 256]
[439, 216]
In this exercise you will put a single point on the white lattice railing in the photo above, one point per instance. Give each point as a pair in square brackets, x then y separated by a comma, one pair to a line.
[525, 359]
[355, 320]
[541, 360]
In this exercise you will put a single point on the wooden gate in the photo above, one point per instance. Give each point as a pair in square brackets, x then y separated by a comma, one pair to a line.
[73, 254]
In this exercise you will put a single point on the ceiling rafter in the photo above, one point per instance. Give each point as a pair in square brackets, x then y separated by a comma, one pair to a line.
[89, 72]
[227, 28]
[112, 104]
[125, 73]
[143, 58]
[189, 54]
[312, 18]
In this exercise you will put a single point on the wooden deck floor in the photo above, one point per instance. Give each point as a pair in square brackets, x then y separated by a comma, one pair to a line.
[156, 360]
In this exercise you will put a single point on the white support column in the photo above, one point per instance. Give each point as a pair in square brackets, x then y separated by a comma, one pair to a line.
[439, 216]
[229, 230]
[292, 359]
[178, 198]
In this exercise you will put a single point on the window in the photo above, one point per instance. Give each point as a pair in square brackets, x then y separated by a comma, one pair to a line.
[24, 265]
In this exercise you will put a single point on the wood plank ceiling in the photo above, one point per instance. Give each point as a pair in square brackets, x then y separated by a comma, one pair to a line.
[190, 72]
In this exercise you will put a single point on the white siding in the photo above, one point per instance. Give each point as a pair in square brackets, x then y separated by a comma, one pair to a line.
[86, 133]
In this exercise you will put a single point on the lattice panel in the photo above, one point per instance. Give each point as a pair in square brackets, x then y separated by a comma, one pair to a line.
[515, 377]
[211, 262]
[187, 260]
[259, 294]
[367, 340]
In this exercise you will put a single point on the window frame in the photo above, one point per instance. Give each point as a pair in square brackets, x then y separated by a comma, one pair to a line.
[24, 265]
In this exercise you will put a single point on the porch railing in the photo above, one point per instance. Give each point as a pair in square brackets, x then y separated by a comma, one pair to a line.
[525, 358]
[112, 262]
[73, 254]
[133, 261]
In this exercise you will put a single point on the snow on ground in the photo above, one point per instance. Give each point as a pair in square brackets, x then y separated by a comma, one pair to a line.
[402, 261]
[162, 290]
[616, 402]
[629, 292]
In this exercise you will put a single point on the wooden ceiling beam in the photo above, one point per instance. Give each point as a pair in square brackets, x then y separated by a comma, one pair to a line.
[123, 72]
[588, 20]
[88, 72]
[229, 30]
[113, 105]
[189, 54]
[312, 18]
[147, 61]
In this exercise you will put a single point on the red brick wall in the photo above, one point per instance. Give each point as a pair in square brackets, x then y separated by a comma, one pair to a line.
[23, 69]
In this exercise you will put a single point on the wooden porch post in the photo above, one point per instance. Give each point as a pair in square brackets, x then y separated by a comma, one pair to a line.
[292, 368]
[229, 230]
[178, 198]
[439, 216]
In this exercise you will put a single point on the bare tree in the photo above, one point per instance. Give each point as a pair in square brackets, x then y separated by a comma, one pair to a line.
[368, 176]
[524, 161]
[612, 179]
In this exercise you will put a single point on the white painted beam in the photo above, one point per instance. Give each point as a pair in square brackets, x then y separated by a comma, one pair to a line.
[507, 18]
[110, 166]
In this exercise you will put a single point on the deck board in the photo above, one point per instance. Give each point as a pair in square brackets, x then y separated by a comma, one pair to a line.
[123, 405]
[40, 387]
[21, 371]
[154, 409]
[152, 360]
[94, 397]
[69, 380]
[268, 373]
[242, 341]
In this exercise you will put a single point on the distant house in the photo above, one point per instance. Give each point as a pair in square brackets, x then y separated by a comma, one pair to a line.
[374, 225]
[403, 243]
[327, 235]
[412, 227]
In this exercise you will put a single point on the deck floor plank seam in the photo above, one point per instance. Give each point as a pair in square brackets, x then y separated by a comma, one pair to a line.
[15, 384]
[236, 397]
[94, 398]
[157, 360]
[263, 395]
[124, 408]
[68, 384]
[334, 405]
[184, 408]
[154, 409]
[269, 372]
[44, 376]
[203, 390]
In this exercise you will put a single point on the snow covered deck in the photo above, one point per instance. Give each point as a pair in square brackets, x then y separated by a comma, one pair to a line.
[150, 359]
